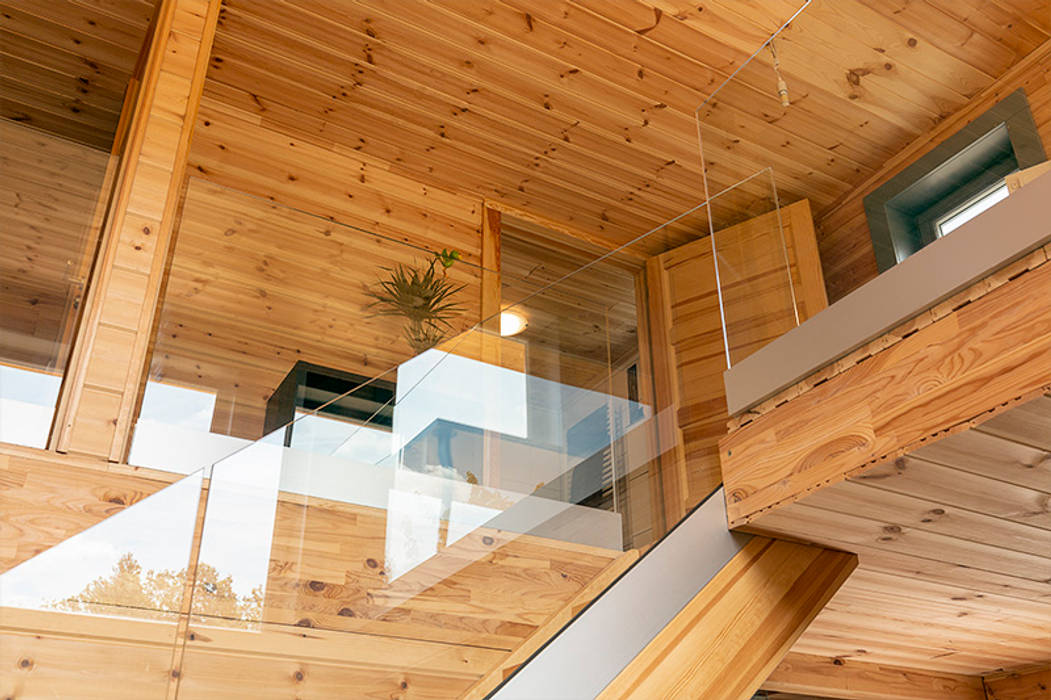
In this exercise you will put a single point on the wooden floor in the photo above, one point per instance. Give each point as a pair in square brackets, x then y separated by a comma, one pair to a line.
[955, 548]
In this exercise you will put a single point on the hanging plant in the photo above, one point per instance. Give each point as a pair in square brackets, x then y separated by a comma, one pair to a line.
[423, 296]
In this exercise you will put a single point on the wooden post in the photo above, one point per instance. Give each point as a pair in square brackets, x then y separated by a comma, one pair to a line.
[728, 639]
[490, 329]
[108, 363]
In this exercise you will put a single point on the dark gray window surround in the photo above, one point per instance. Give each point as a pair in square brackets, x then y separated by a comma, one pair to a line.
[902, 212]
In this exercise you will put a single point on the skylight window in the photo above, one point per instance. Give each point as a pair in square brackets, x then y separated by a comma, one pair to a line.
[971, 208]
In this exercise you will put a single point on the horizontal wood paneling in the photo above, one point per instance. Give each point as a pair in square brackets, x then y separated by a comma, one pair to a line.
[849, 679]
[254, 287]
[897, 399]
[66, 64]
[955, 551]
[329, 616]
[843, 233]
[582, 111]
[49, 190]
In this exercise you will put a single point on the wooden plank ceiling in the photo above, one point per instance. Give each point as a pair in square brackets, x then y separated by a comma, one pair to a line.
[64, 64]
[955, 547]
[583, 110]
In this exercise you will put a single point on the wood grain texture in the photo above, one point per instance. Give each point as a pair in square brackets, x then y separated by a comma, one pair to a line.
[49, 189]
[66, 64]
[955, 548]
[329, 612]
[102, 389]
[730, 637]
[582, 111]
[1023, 684]
[686, 329]
[848, 679]
[254, 287]
[919, 388]
[844, 239]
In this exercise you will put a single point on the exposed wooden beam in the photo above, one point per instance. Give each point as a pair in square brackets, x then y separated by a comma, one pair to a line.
[544, 632]
[735, 631]
[107, 368]
[1023, 684]
[846, 679]
[952, 374]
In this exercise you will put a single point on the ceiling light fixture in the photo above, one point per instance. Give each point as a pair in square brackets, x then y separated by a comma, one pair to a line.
[512, 323]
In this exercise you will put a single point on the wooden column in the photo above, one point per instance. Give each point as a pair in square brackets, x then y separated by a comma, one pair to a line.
[490, 266]
[108, 364]
[728, 639]
[848, 679]
[490, 329]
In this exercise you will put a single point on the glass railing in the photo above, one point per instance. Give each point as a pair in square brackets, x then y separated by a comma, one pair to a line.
[409, 525]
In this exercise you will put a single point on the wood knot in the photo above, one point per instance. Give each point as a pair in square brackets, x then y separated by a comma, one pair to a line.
[838, 662]
[487, 541]
[27, 664]
[305, 622]
[404, 685]
[892, 529]
[371, 563]
[298, 676]
[346, 612]
[316, 585]
[175, 673]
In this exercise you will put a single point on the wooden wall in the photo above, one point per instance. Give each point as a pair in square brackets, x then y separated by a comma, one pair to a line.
[49, 190]
[843, 233]
[686, 330]
[254, 287]
[329, 612]
[65, 64]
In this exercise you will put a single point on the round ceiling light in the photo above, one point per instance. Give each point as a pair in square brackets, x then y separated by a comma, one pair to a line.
[512, 323]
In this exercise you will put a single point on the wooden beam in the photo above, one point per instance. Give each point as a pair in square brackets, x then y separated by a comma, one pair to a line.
[490, 265]
[729, 638]
[556, 622]
[950, 375]
[846, 679]
[1023, 684]
[108, 363]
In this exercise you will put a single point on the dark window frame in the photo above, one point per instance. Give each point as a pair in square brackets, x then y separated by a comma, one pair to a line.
[896, 231]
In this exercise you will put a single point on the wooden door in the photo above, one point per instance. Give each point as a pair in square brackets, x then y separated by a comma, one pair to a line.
[685, 330]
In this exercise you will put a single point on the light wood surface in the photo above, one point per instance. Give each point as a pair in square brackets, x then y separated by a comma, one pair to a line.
[583, 111]
[849, 679]
[67, 63]
[1023, 684]
[106, 371]
[896, 400]
[937, 478]
[686, 332]
[255, 287]
[729, 638]
[844, 239]
[328, 611]
[50, 188]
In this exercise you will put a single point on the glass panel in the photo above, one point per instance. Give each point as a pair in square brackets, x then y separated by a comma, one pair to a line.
[115, 588]
[58, 118]
[271, 312]
[494, 480]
